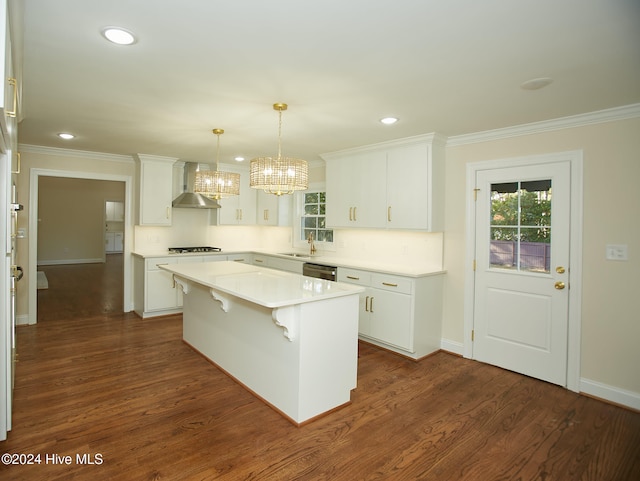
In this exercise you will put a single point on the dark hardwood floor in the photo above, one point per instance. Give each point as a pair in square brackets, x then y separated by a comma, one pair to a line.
[128, 395]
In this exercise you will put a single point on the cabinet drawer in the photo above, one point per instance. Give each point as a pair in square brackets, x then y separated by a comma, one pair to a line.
[354, 276]
[152, 264]
[392, 283]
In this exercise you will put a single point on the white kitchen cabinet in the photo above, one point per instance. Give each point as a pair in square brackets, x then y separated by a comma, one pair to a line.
[238, 209]
[114, 211]
[279, 263]
[393, 185]
[244, 258]
[354, 184]
[10, 91]
[155, 176]
[155, 293]
[273, 210]
[403, 314]
[113, 242]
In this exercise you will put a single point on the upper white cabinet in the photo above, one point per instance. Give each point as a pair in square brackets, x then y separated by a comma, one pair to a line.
[114, 211]
[394, 185]
[238, 209]
[156, 189]
[10, 86]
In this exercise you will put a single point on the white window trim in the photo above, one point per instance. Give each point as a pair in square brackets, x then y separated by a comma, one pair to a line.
[297, 214]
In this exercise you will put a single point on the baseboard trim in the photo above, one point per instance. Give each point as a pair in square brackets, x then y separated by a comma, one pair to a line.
[454, 347]
[611, 394]
[97, 260]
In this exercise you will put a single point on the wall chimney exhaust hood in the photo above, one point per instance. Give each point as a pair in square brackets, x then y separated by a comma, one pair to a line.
[188, 199]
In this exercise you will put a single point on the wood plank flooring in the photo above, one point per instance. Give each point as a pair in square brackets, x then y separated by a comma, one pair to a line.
[129, 395]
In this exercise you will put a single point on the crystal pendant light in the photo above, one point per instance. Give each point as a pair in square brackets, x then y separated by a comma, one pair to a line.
[216, 184]
[280, 175]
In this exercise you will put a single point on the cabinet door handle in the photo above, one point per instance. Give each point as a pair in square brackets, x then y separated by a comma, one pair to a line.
[366, 304]
[355, 209]
[238, 260]
[168, 212]
[389, 214]
[355, 278]
[350, 213]
[11, 81]
[371, 304]
[389, 284]
[259, 260]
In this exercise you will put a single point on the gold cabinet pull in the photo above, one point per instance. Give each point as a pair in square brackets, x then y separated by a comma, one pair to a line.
[355, 278]
[559, 285]
[371, 304]
[350, 212]
[238, 260]
[389, 214]
[390, 284]
[258, 260]
[12, 113]
[354, 213]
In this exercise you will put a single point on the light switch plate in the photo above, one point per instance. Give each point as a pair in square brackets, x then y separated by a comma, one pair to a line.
[617, 252]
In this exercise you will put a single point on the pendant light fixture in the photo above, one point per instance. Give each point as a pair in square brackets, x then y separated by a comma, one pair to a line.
[216, 184]
[280, 175]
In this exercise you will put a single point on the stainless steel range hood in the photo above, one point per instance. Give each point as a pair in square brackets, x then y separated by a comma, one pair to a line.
[188, 199]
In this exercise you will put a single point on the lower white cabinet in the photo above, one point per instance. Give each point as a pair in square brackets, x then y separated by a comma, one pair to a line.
[278, 263]
[403, 314]
[113, 242]
[155, 293]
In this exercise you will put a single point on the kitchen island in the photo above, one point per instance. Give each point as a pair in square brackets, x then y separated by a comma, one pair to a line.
[289, 339]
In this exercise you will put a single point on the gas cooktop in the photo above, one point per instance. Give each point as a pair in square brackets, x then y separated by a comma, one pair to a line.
[186, 250]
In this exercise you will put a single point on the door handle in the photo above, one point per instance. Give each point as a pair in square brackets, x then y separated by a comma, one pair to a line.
[559, 285]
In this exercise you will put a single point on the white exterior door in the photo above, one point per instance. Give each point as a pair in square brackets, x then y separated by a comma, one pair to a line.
[521, 298]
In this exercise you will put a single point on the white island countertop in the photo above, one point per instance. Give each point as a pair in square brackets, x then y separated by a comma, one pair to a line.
[260, 285]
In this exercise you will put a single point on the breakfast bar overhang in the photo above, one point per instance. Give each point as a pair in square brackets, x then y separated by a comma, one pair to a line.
[291, 340]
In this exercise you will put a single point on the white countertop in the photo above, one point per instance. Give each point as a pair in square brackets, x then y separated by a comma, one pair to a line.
[413, 270]
[262, 286]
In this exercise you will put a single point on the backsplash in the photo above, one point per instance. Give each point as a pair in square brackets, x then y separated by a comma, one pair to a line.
[191, 228]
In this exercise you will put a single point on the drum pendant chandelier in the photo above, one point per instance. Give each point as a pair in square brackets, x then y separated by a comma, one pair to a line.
[216, 184]
[280, 175]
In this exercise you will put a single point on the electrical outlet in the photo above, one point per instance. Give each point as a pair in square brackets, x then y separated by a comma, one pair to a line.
[617, 252]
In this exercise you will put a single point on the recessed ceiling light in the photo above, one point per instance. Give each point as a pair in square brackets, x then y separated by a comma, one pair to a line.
[536, 83]
[239, 159]
[118, 35]
[66, 136]
[389, 120]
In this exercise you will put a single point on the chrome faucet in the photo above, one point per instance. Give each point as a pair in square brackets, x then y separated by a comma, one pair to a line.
[312, 249]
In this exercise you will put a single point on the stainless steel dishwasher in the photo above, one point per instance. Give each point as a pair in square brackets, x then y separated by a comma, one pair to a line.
[320, 271]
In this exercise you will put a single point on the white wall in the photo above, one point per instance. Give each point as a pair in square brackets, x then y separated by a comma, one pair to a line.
[610, 320]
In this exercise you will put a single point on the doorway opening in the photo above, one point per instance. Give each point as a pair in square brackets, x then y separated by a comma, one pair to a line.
[75, 252]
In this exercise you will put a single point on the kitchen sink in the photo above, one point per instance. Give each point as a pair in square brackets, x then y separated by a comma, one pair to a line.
[295, 254]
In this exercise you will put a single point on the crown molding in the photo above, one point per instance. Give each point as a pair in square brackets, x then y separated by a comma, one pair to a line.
[84, 154]
[598, 117]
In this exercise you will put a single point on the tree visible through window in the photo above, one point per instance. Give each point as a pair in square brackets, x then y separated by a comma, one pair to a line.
[313, 219]
[521, 225]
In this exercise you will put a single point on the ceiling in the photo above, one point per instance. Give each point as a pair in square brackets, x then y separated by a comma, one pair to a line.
[447, 66]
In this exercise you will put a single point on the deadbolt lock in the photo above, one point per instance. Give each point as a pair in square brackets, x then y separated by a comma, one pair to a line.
[560, 270]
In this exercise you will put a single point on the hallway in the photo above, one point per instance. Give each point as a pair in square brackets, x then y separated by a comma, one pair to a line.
[82, 290]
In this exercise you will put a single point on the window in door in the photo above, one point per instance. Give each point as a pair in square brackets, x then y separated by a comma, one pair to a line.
[521, 226]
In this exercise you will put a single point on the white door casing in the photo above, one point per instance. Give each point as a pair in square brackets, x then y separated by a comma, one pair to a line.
[519, 319]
